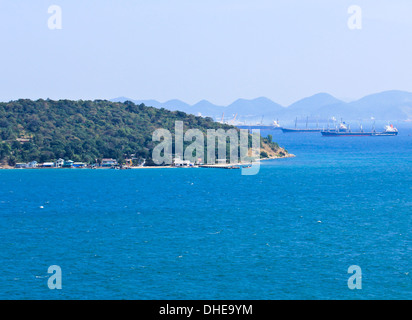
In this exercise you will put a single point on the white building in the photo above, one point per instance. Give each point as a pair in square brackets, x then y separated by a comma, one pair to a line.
[177, 162]
[59, 163]
[48, 165]
[109, 162]
[32, 164]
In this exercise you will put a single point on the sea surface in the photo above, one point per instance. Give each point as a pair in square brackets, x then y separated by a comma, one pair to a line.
[290, 232]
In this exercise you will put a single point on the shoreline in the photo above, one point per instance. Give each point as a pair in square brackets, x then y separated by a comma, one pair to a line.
[289, 155]
[151, 167]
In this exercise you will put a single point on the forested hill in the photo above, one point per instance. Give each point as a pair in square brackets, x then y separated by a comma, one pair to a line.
[45, 130]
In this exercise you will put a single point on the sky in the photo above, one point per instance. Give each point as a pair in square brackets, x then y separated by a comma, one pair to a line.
[219, 50]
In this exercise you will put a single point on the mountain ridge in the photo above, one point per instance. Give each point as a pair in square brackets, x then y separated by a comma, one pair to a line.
[386, 105]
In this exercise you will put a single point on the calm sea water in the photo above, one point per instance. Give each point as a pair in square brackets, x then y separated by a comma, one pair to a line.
[290, 232]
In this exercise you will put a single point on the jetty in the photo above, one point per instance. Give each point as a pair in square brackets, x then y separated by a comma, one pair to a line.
[225, 166]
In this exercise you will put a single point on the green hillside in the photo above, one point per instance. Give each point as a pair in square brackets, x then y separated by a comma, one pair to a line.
[46, 130]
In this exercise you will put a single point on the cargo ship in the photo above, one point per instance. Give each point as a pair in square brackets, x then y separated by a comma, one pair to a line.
[344, 131]
[296, 129]
[274, 126]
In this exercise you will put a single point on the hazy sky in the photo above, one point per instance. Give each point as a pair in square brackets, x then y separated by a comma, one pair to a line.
[218, 50]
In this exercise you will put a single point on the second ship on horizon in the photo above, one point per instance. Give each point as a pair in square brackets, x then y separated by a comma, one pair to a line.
[342, 130]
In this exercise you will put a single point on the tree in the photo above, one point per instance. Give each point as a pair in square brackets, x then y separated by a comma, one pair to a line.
[86, 130]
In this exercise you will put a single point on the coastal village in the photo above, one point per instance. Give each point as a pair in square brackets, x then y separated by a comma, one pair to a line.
[106, 163]
[110, 163]
[67, 164]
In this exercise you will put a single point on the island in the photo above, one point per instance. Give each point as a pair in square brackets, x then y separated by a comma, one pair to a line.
[94, 134]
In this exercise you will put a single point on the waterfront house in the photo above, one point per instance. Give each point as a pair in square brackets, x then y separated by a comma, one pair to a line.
[20, 166]
[68, 164]
[177, 162]
[79, 165]
[48, 165]
[59, 163]
[107, 163]
[32, 164]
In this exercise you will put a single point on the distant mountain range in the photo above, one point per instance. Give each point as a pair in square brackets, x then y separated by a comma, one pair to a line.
[387, 105]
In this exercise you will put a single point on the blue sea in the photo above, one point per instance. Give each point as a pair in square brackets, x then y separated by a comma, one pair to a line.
[290, 232]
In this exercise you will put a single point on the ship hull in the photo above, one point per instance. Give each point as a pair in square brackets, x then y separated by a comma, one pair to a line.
[259, 127]
[357, 134]
[385, 134]
[288, 130]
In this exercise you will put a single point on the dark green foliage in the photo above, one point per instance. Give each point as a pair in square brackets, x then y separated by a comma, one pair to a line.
[85, 130]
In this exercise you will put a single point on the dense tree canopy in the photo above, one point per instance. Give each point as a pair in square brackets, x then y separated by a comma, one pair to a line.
[46, 130]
